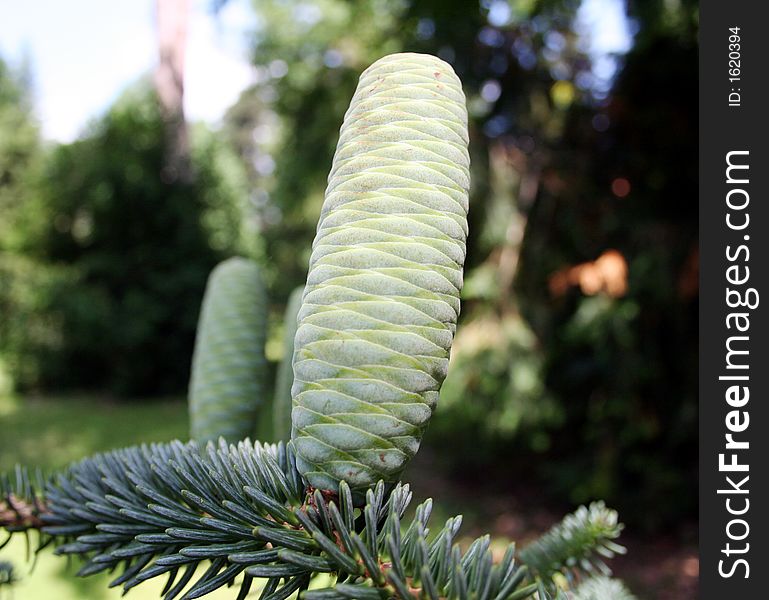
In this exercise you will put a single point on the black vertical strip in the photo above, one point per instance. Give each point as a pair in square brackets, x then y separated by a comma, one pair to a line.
[734, 299]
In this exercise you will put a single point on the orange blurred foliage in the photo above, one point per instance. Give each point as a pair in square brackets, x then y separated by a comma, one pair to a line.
[607, 274]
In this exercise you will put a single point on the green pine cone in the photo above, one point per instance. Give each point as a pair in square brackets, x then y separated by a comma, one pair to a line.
[228, 365]
[382, 296]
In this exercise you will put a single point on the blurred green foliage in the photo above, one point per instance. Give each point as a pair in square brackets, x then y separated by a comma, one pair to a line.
[625, 365]
[116, 251]
[19, 151]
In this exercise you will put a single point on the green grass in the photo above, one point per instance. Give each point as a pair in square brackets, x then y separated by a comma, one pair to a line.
[51, 432]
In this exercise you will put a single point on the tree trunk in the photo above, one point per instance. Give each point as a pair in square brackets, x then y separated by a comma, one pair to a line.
[172, 20]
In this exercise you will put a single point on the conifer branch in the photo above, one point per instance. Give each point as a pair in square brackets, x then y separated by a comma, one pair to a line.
[21, 505]
[165, 509]
[578, 545]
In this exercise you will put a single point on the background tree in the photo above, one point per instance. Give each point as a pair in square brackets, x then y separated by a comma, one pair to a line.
[137, 248]
[19, 151]
[172, 25]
